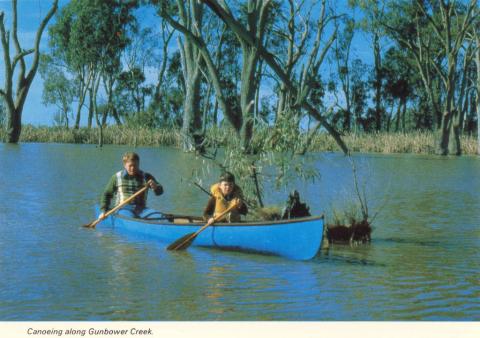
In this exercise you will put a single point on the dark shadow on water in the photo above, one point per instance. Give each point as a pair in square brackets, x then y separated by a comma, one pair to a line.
[407, 241]
[328, 257]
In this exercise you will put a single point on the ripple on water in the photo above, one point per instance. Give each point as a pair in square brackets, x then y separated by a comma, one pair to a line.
[422, 263]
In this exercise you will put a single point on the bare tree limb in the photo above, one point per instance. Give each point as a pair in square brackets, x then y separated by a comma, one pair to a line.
[270, 60]
[215, 77]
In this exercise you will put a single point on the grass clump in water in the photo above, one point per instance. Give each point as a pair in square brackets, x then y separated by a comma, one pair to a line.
[348, 226]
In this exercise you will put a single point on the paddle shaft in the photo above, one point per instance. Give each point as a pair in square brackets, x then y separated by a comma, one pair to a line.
[121, 205]
[186, 243]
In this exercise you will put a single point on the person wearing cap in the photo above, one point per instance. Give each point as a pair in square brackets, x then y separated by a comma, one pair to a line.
[124, 184]
[224, 193]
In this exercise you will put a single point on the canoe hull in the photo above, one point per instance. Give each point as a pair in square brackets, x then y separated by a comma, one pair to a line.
[298, 239]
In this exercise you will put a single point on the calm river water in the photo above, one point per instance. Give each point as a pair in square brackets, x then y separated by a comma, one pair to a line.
[423, 262]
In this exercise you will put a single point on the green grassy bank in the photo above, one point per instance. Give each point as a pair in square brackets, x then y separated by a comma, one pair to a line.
[111, 135]
[413, 142]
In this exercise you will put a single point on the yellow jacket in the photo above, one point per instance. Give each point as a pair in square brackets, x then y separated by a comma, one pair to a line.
[222, 203]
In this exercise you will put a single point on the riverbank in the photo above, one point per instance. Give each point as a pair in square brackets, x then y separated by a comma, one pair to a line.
[387, 143]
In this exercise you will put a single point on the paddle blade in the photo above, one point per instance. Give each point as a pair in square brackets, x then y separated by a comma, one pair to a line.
[182, 243]
[93, 223]
[90, 225]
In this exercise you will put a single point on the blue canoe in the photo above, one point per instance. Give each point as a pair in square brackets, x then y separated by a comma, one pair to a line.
[298, 239]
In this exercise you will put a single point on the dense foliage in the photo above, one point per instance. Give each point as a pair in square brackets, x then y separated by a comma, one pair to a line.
[361, 66]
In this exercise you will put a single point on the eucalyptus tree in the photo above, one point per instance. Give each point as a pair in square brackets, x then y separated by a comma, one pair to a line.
[301, 44]
[434, 32]
[352, 107]
[450, 26]
[130, 92]
[138, 58]
[58, 90]
[359, 93]
[159, 102]
[2, 113]
[87, 35]
[230, 111]
[124, 75]
[407, 26]
[15, 98]
[341, 57]
[374, 16]
[256, 15]
[294, 34]
[465, 86]
[225, 59]
[174, 93]
[190, 14]
[187, 17]
[475, 35]
[398, 85]
[300, 93]
[111, 73]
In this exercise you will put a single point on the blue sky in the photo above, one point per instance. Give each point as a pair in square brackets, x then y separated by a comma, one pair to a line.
[31, 13]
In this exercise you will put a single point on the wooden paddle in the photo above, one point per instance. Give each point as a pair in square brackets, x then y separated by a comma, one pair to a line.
[184, 242]
[121, 205]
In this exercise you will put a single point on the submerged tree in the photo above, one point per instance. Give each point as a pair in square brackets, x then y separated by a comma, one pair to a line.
[300, 94]
[3, 116]
[191, 17]
[15, 98]
[434, 33]
[225, 102]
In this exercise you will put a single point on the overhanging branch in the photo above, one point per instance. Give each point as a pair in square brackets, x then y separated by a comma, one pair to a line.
[243, 34]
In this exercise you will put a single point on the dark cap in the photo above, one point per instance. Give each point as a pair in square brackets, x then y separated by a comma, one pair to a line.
[227, 177]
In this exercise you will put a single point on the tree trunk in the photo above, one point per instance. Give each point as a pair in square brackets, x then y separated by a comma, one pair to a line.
[399, 113]
[215, 114]
[206, 108]
[115, 116]
[83, 88]
[96, 85]
[347, 119]
[447, 118]
[14, 125]
[247, 95]
[256, 109]
[282, 99]
[477, 62]
[25, 79]
[444, 134]
[90, 108]
[108, 83]
[378, 82]
[232, 114]
[192, 122]
[454, 146]
[191, 15]
[65, 110]
[478, 125]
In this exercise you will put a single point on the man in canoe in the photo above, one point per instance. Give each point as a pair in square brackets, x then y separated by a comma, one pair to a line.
[224, 194]
[124, 184]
